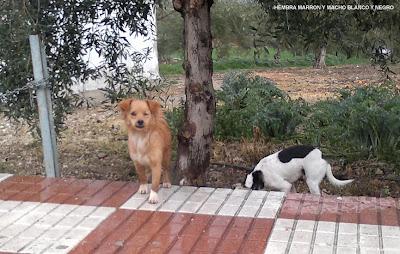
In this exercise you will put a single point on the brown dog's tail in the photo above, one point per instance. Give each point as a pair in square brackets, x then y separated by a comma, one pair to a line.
[332, 178]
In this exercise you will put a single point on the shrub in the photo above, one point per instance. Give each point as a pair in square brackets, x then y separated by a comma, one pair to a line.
[247, 101]
[362, 123]
[174, 118]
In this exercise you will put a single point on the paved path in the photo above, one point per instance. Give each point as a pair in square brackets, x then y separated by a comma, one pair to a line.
[47, 215]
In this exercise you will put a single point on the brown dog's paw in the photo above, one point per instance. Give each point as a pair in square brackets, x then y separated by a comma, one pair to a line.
[153, 198]
[143, 189]
[166, 185]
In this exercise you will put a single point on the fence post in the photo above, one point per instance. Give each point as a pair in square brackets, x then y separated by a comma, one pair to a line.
[40, 73]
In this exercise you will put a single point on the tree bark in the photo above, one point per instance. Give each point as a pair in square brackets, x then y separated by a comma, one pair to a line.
[320, 57]
[196, 135]
[277, 55]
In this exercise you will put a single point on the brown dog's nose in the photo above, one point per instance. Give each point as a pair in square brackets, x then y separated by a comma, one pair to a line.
[140, 122]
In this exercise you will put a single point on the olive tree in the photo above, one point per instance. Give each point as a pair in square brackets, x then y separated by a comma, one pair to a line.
[196, 135]
[69, 29]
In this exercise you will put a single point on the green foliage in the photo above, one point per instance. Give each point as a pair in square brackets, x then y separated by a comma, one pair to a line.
[175, 118]
[233, 24]
[360, 124]
[69, 29]
[171, 69]
[348, 32]
[132, 83]
[169, 33]
[237, 59]
[256, 29]
[248, 101]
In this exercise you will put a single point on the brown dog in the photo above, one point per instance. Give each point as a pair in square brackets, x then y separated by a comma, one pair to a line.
[149, 143]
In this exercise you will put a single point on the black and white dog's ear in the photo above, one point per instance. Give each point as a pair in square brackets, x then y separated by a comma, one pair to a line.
[258, 180]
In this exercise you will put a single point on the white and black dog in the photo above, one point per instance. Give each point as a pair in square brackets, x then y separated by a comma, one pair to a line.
[280, 170]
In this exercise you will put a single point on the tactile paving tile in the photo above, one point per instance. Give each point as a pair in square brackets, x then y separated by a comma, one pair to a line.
[4, 176]
[306, 236]
[211, 201]
[33, 227]
[103, 217]
[329, 224]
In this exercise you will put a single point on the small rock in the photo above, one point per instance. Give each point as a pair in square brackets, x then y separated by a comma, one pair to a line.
[61, 247]
[237, 186]
[378, 171]
[119, 243]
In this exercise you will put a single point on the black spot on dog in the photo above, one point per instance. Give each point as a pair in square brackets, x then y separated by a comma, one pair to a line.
[292, 152]
[258, 180]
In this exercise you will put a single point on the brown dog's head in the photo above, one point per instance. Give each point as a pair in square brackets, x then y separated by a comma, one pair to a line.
[138, 114]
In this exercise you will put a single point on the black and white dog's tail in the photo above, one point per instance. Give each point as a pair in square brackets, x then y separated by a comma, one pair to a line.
[333, 180]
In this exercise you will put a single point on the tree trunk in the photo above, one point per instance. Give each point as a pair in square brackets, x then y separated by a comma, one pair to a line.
[320, 57]
[277, 56]
[195, 136]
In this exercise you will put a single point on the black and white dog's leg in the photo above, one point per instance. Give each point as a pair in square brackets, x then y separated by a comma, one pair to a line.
[315, 171]
[281, 184]
[313, 186]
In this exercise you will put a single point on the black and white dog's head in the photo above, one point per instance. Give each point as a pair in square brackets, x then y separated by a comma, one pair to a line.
[255, 180]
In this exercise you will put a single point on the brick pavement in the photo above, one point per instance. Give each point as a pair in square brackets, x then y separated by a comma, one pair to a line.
[47, 215]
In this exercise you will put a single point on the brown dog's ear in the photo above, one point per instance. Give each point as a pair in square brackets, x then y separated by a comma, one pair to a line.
[155, 108]
[124, 105]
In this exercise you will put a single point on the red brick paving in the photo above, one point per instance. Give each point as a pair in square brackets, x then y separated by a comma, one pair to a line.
[86, 193]
[122, 195]
[105, 193]
[66, 191]
[96, 237]
[364, 210]
[290, 209]
[133, 231]
[389, 212]
[310, 210]
[128, 231]
[329, 211]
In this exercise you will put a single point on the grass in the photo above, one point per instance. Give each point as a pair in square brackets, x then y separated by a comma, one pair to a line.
[171, 69]
[243, 59]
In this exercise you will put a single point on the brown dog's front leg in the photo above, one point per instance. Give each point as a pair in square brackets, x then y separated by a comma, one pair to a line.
[141, 172]
[155, 183]
[166, 179]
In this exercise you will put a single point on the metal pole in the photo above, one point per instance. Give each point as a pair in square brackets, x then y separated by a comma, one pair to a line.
[155, 45]
[40, 74]
[50, 111]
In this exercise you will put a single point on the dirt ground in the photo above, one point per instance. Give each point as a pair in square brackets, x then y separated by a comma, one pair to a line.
[94, 144]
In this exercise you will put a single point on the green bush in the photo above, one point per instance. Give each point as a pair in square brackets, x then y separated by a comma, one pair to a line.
[362, 123]
[174, 118]
[248, 101]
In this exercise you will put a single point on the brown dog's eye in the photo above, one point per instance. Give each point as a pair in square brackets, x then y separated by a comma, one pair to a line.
[133, 113]
[146, 114]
